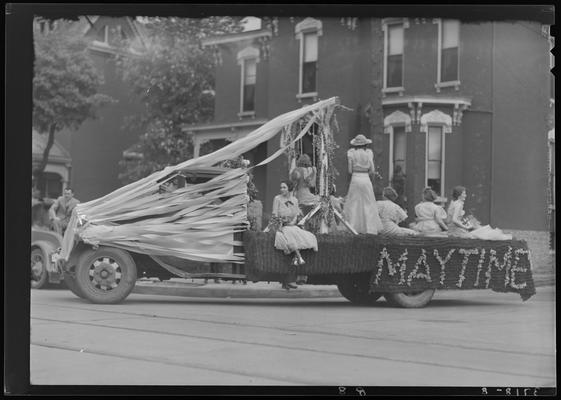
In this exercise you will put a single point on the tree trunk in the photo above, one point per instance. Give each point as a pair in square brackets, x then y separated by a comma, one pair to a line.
[38, 173]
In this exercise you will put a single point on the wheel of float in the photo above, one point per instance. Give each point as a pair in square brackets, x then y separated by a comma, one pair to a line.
[71, 284]
[410, 300]
[106, 275]
[39, 274]
[356, 292]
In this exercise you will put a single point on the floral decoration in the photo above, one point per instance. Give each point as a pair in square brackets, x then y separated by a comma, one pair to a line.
[443, 263]
[516, 268]
[422, 260]
[493, 260]
[467, 253]
[479, 267]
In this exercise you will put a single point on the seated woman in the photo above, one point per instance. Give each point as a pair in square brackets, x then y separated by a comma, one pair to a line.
[460, 227]
[430, 216]
[391, 214]
[289, 237]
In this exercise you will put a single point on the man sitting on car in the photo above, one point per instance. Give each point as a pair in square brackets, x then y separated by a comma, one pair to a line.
[61, 210]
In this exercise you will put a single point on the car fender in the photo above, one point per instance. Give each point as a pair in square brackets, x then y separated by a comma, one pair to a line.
[48, 248]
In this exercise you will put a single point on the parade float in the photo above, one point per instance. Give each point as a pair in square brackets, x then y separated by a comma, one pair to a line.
[182, 220]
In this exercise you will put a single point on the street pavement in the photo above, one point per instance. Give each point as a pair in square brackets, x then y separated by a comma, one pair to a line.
[462, 338]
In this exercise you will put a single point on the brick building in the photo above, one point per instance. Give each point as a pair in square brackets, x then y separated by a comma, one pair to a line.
[97, 146]
[451, 102]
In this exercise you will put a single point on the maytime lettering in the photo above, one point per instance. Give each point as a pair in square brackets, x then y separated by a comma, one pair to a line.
[479, 261]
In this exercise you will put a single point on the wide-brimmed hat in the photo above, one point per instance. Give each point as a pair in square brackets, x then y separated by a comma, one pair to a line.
[360, 140]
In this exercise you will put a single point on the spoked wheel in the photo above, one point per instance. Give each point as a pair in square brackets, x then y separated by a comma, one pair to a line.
[106, 275]
[39, 272]
[410, 300]
[356, 290]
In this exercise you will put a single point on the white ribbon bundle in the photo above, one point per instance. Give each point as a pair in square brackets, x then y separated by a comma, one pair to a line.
[191, 222]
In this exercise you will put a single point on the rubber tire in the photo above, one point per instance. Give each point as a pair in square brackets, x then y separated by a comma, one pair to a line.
[72, 285]
[44, 278]
[356, 291]
[123, 288]
[410, 300]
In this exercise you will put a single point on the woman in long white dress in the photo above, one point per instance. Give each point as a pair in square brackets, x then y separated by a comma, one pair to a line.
[361, 210]
[458, 227]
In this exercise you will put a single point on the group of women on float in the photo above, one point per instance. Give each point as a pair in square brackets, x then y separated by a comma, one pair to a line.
[363, 212]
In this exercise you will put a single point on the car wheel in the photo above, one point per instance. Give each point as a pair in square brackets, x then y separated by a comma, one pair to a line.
[356, 290]
[39, 274]
[106, 275]
[71, 284]
[410, 300]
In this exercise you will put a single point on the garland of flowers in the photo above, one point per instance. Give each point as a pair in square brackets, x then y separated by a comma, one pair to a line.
[326, 211]
[402, 259]
[325, 136]
[516, 268]
[384, 255]
[479, 267]
[418, 275]
[443, 263]
[466, 253]
[494, 260]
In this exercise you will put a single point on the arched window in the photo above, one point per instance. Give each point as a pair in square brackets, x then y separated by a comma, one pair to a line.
[396, 125]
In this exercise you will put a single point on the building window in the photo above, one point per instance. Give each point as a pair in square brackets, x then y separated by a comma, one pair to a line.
[103, 35]
[394, 56]
[308, 33]
[248, 59]
[248, 85]
[53, 185]
[434, 159]
[435, 124]
[397, 124]
[448, 70]
[399, 148]
[309, 63]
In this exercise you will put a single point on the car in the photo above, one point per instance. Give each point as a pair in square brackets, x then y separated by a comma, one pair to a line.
[44, 243]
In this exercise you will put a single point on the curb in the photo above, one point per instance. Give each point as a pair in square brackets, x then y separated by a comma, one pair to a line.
[227, 290]
[261, 290]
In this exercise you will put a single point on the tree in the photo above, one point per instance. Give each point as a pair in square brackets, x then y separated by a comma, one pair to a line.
[173, 78]
[65, 86]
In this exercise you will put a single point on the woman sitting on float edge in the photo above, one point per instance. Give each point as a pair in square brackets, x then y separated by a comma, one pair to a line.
[391, 215]
[430, 216]
[459, 227]
[290, 238]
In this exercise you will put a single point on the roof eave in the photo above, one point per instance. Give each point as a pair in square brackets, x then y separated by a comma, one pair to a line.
[236, 37]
